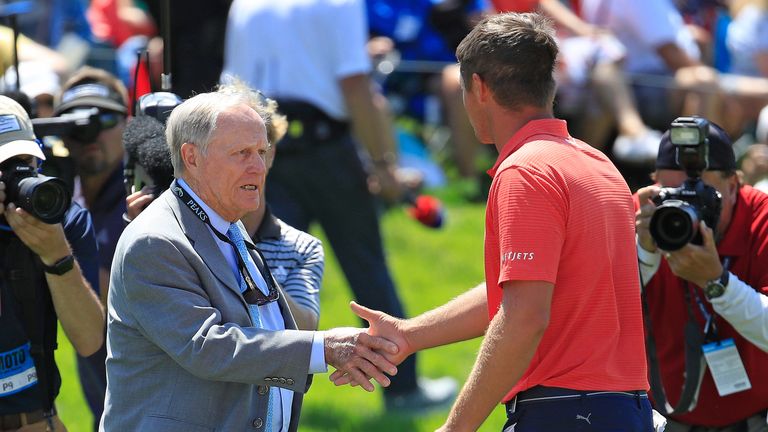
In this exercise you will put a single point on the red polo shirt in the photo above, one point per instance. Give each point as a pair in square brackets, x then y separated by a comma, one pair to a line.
[746, 241]
[560, 212]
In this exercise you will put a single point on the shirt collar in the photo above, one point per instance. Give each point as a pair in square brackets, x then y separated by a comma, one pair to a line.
[217, 222]
[737, 234]
[269, 227]
[550, 126]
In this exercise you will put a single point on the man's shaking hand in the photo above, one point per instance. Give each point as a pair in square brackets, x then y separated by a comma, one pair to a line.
[381, 325]
[359, 356]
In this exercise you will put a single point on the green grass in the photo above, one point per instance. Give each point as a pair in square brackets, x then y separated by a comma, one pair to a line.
[430, 267]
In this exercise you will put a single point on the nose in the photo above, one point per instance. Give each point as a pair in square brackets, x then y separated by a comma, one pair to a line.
[257, 164]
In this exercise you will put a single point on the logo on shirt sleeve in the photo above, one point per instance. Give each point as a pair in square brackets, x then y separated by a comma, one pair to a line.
[516, 256]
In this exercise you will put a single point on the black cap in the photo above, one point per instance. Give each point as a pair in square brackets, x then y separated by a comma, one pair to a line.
[91, 94]
[721, 156]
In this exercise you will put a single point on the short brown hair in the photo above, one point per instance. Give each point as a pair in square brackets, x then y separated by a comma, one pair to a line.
[515, 55]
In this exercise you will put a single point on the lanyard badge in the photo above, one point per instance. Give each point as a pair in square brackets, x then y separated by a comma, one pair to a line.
[726, 367]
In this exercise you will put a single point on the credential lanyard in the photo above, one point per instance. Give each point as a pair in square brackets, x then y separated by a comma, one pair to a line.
[252, 294]
[694, 358]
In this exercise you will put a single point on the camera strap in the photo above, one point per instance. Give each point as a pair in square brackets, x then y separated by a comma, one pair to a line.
[695, 363]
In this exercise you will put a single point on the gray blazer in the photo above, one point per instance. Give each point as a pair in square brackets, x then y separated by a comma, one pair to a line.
[182, 352]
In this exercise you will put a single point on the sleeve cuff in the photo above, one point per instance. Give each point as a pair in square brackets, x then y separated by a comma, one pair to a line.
[648, 259]
[317, 357]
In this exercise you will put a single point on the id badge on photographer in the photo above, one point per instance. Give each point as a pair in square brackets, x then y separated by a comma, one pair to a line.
[726, 367]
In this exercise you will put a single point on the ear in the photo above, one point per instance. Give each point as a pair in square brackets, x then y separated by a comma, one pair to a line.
[733, 187]
[480, 88]
[190, 156]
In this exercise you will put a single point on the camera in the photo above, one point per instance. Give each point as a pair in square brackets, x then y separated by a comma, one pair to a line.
[83, 125]
[679, 210]
[46, 198]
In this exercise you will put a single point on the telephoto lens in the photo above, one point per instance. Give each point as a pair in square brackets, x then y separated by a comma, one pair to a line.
[674, 224]
[46, 198]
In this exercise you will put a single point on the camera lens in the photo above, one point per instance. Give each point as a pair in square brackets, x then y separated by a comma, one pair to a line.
[46, 198]
[674, 224]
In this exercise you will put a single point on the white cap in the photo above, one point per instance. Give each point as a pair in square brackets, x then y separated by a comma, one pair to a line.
[16, 134]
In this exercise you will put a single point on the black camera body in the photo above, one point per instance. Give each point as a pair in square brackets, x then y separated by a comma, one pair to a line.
[46, 198]
[679, 210]
[83, 125]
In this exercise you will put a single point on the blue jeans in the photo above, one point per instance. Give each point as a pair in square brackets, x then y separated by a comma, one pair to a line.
[550, 409]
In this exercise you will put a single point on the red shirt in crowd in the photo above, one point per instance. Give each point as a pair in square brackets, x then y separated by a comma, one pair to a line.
[560, 212]
[515, 5]
[746, 242]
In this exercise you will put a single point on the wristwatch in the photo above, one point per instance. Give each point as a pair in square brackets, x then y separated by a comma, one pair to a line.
[61, 266]
[716, 287]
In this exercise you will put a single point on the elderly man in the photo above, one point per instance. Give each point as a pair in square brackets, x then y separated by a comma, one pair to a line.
[196, 320]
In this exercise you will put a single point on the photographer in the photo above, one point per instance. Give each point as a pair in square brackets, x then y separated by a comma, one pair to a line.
[99, 188]
[710, 292]
[41, 280]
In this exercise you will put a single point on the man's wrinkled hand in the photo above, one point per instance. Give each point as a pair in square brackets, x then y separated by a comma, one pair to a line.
[383, 325]
[357, 354]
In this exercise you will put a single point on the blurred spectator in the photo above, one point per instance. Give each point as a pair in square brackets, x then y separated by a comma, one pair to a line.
[761, 132]
[311, 58]
[39, 82]
[197, 43]
[124, 28]
[99, 188]
[591, 66]
[747, 37]
[28, 50]
[115, 21]
[754, 163]
[662, 54]
[754, 166]
[429, 31]
[52, 21]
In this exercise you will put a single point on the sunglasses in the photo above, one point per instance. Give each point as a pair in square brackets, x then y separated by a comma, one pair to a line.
[97, 122]
[109, 120]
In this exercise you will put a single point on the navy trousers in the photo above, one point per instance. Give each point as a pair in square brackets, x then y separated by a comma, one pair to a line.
[550, 409]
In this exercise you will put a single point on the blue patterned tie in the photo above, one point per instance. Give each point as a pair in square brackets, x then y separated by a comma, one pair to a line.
[236, 236]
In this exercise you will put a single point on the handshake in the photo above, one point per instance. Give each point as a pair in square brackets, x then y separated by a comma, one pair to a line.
[359, 355]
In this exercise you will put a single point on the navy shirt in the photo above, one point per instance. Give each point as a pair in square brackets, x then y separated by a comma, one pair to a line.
[107, 212]
[21, 393]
